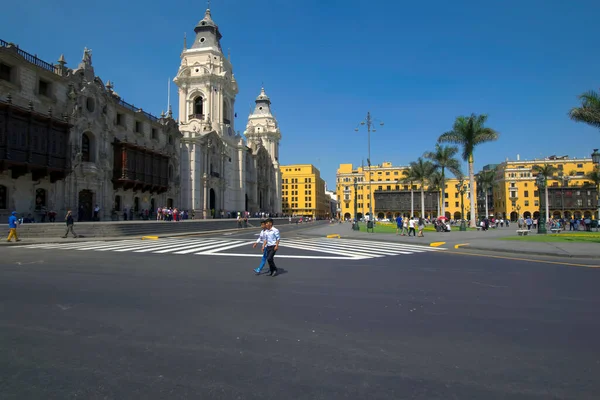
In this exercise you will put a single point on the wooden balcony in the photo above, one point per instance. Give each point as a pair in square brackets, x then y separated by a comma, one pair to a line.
[32, 142]
[139, 168]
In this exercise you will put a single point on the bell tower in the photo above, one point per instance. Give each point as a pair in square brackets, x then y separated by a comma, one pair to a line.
[262, 126]
[207, 87]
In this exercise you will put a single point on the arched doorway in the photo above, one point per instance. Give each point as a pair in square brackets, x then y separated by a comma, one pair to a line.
[260, 201]
[212, 201]
[359, 215]
[152, 206]
[536, 215]
[389, 216]
[577, 214]
[447, 214]
[169, 203]
[587, 214]
[246, 203]
[117, 203]
[457, 215]
[380, 215]
[567, 214]
[526, 214]
[556, 214]
[347, 216]
[514, 216]
[86, 199]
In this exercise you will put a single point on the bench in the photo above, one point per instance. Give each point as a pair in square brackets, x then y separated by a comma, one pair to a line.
[478, 227]
[555, 230]
[523, 232]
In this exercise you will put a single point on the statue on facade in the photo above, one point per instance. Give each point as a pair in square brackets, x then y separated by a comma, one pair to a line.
[87, 56]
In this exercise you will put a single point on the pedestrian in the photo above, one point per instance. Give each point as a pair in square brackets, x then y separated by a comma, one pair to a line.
[12, 227]
[411, 226]
[261, 239]
[398, 224]
[271, 244]
[70, 223]
[421, 226]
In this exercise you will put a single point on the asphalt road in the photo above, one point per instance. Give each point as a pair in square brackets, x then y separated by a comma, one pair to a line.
[109, 325]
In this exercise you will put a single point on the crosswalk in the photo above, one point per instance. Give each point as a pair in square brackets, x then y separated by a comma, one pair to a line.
[295, 247]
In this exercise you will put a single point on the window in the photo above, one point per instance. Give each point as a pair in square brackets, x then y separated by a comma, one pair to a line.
[40, 198]
[154, 133]
[3, 197]
[170, 172]
[535, 193]
[526, 203]
[85, 148]
[446, 204]
[526, 193]
[379, 187]
[389, 187]
[43, 88]
[5, 72]
[170, 139]
[198, 106]
[90, 104]
[536, 203]
[120, 120]
[138, 126]
[456, 204]
[445, 195]
[579, 165]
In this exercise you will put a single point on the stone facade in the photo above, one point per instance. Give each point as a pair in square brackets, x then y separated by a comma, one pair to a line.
[221, 171]
[105, 132]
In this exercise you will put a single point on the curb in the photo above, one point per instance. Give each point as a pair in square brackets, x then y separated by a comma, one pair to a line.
[532, 252]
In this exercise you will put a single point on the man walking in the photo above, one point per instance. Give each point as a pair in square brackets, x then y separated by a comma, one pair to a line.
[69, 219]
[12, 227]
[261, 239]
[271, 244]
[399, 225]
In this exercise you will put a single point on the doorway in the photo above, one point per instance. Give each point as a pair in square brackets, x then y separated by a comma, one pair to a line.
[212, 202]
[246, 204]
[86, 199]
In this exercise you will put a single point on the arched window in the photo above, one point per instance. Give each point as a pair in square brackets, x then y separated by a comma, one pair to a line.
[226, 113]
[85, 148]
[198, 106]
[3, 197]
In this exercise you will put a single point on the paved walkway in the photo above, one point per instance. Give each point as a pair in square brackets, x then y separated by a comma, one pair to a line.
[472, 240]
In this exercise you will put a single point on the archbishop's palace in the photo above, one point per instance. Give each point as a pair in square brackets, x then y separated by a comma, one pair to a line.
[69, 141]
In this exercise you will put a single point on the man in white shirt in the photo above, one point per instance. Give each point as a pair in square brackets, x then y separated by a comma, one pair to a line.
[261, 239]
[411, 227]
[271, 244]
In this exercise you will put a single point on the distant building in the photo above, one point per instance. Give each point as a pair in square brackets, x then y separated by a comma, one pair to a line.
[569, 192]
[333, 203]
[303, 192]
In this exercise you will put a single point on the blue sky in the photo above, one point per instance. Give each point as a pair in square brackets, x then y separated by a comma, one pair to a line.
[414, 65]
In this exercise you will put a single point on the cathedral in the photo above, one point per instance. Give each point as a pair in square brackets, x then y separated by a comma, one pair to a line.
[69, 141]
[221, 170]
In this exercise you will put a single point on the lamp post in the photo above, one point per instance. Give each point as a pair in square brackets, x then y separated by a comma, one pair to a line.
[356, 228]
[461, 187]
[370, 123]
[596, 161]
[541, 184]
[518, 212]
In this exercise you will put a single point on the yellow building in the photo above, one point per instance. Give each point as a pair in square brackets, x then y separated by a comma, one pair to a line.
[303, 191]
[384, 178]
[516, 194]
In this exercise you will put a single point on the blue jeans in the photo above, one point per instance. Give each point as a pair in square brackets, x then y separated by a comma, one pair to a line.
[262, 261]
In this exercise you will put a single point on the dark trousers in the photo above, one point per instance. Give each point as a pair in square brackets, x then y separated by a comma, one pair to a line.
[411, 230]
[270, 255]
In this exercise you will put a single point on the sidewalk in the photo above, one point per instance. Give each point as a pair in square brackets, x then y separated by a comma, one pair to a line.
[470, 240]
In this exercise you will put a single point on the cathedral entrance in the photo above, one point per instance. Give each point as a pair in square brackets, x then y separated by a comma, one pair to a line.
[212, 202]
[86, 199]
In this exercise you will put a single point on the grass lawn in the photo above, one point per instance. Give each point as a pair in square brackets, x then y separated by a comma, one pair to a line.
[572, 237]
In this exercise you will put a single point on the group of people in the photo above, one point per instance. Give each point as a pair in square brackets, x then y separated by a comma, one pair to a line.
[406, 226]
[14, 222]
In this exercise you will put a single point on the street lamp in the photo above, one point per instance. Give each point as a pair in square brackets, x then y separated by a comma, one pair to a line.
[518, 212]
[355, 226]
[541, 184]
[461, 187]
[596, 160]
[370, 123]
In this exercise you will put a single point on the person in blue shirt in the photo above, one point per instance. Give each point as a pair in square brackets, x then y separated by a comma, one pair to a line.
[12, 227]
[398, 224]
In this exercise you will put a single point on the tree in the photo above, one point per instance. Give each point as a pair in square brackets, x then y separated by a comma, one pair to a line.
[436, 182]
[408, 178]
[421, 172]
[589, 111]
[443, 158]
[485, 181]
[470, 132]
[546, 170]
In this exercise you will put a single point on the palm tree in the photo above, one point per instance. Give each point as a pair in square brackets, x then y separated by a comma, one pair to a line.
[436, 182]
[469, 132]
[408, 178]
[589, 112]
[421, 172]
[443, 158]
[485, 181]
[547, 171]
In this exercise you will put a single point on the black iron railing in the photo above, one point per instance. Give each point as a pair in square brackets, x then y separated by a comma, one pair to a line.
[30, 57]
[133, 108]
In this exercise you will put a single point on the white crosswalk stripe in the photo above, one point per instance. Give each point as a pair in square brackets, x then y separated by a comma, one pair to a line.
[335, 249]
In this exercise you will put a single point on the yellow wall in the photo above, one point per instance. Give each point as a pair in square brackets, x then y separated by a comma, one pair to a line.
[303, 191]
[515, 190]
[385, 176]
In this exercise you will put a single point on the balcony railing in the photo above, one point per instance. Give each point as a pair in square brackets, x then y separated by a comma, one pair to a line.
[133, 108]
[29, 57]
[197, 116]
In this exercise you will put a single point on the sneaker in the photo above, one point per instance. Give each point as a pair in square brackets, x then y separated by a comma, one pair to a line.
[257, 271]
[274, 273]
[18, 240]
